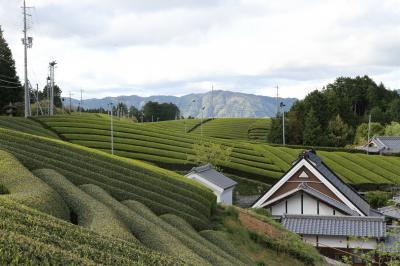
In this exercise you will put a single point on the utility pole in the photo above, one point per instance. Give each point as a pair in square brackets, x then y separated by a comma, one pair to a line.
[52, 66]
[80, 104]
[201, 123]
[282, 105]
[277, 100]
[112, 127]
[369, 132]
[212, 101]
[70, 102]
[27, 42]
[37, 99]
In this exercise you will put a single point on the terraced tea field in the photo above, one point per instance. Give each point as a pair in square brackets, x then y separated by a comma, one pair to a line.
[166, 145]
[65, 204]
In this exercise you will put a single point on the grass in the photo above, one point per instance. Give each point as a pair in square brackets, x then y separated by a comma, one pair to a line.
[161, 190]
[144, 229]
[90, 213]
[29, 237]
[22, 186]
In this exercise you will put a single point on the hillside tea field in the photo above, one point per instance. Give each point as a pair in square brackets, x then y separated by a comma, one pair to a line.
[165, 144]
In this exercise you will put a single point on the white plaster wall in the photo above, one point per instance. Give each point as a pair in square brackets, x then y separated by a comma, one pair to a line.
[332, 241]
[226, 196]
[278, 209]
[309, 205]
[294, 204]
[325, 209]
[310, 239]
[368, 244]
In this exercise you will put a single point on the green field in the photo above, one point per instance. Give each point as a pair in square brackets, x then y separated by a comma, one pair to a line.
[65, 204]
[165, 144]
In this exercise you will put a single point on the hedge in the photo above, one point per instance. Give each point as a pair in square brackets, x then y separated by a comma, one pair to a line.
[144, 229]
[30, 237]
[204, 249]
[220, 240]
[219, 257]
[90, 213]
[74, 161]
[25, 125]
[23, 187]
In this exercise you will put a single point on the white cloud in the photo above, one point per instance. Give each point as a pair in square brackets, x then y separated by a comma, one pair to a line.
[150, 47]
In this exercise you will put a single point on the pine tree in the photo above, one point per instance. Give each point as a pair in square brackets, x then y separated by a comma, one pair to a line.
[312, 134]
[10, 85]
[339, 132]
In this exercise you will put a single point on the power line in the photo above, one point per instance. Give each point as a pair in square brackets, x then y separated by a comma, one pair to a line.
[12, 82]
[10, 87]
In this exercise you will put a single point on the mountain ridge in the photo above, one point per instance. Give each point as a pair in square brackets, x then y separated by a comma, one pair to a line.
[225, 103]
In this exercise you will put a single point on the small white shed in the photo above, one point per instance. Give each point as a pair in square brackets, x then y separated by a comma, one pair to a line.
[221, 185]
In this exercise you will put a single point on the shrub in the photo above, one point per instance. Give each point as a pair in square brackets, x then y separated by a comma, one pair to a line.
[204, 249]
[219, 239]
[91, 213]
[30, 237]
[145, 230]
[378, 199]
[23, 187]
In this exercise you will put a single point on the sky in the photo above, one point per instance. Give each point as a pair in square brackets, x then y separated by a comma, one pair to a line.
[177, 47]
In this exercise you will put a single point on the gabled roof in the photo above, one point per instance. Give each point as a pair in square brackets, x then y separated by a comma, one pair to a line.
[210, 174]
[391, 211]
[324, 198]
[310, 160]
[346, 190]
[355, 226]
[383, 144]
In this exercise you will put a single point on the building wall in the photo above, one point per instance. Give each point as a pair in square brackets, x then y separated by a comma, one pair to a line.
[339, 242]
[226, 196]
[310, 206]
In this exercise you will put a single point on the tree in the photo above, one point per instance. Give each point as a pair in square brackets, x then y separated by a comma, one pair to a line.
[393, 129]
[275, 131]
[154, 111]
[134, 112]
[44, 95]
[312, 134]
[10, 85]
[339, 133]
[361, 135]
[209, 152]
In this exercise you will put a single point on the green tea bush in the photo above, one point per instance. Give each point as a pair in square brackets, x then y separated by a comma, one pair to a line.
[218, 257]
[23, 187]
[144, 229]
[90, 213]
[206, 250]
[132, 179]
[219, 239]
[29, 237]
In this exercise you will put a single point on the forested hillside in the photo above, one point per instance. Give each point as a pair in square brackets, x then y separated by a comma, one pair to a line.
[330, 117]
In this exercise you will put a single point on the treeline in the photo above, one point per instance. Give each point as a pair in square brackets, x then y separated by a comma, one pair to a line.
[150, 112]
[331, 116]
[11, 90]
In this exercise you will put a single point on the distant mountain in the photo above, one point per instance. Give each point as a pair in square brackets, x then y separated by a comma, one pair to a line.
[217, 103]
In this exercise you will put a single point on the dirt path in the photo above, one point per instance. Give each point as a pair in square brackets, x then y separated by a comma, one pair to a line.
[256, 225]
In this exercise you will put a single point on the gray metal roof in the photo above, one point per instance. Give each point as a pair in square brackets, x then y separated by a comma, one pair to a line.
[356, 226]
[391, 211]
[210, 174]
[384, 144]
[338, 205]
[347, 191]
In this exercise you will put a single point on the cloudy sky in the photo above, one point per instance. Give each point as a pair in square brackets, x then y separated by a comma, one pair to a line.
[175, 47]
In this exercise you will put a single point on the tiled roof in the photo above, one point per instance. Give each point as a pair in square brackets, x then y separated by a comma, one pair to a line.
[210, 174]
[356, 226]
[348, 192]
[385, 144]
